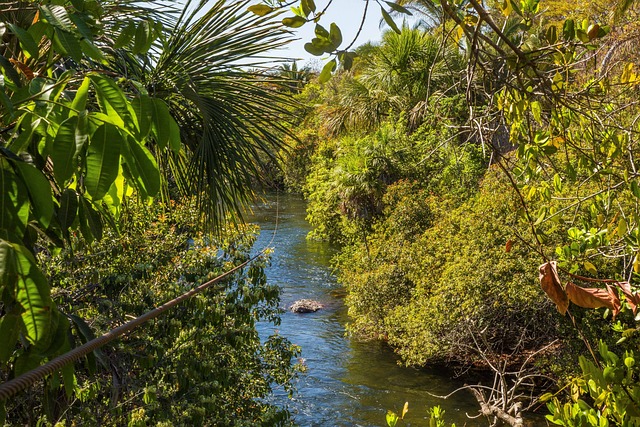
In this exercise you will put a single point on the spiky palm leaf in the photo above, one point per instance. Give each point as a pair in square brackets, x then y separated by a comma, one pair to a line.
[230, 118]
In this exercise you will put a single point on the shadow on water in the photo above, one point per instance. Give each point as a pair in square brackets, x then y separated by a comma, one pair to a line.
[347, 383]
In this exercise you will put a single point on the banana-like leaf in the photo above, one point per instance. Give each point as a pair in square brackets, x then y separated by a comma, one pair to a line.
[14, 202]
[33, 296]
[103, 160]
[39, 191]
[65, 149]
[143, 166]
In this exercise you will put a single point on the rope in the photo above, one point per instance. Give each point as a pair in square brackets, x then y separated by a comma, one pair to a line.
[12, 387]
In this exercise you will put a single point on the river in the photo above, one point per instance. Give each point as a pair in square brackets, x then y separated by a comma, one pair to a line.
[347, 382]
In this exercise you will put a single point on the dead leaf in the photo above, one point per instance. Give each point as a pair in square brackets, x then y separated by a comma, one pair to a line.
[507, 247]
[632, 299]
[22, 67]
[550, 283]
[594, 297]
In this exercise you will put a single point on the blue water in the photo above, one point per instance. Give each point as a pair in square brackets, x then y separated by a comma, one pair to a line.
[347, 383]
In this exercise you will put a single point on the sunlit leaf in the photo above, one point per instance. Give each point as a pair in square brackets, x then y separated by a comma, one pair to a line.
[550, 283]
[294, 22]
[389, 20]
[260, 9]
[103, 160]
[39, 191]
[328, 68]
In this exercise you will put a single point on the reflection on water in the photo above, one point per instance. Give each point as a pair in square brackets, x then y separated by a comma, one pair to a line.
[347, 383]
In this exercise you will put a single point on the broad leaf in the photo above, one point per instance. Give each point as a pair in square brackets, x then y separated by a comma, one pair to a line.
[594, 297]
[550, 283]
[65, 149]
[28, 44]
[294, 22]
[165, 130]
[14, 203]
[328, 68]
[142, 166]
[103, 160]
[10, 326]
[389, 20]
[33, 296]
[39, 191]
[68, 208]
[260, 9]
[112, 100]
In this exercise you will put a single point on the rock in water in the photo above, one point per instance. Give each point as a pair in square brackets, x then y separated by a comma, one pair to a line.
[305, 306]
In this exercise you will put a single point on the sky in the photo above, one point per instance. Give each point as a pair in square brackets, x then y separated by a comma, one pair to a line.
[347, 14]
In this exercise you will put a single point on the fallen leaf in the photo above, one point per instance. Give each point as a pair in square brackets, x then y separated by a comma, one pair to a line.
[550, 283]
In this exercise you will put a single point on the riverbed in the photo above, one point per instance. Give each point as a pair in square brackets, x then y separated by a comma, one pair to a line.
[347, 382]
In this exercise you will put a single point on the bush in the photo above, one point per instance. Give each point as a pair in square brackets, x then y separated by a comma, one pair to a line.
[202, 363]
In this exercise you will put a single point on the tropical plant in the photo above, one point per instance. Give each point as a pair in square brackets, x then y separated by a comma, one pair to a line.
[101, 102]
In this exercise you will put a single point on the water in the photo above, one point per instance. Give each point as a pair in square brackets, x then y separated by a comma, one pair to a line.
[347, 383]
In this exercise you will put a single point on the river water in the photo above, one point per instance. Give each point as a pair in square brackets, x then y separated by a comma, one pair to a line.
[347, 382]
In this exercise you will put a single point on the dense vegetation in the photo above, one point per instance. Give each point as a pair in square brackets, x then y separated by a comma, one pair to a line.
[454, 158]
[449, 161]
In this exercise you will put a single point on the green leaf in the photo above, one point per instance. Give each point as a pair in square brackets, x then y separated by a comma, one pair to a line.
[125, 36]
[392, 418]
[536, 110]
[10, 326]
[164, 129]
[14, 203]
[144, 108]
[33, 296]
[68, 208]
[322, 33]
[389, 20]
[294, 22]
[328, 68]
[28, 44]
[313, 49]
[112, 100]
[398, 8]
[68, 379]
[80, 100]
[40, 192]
[260, 9]
[142, 166]
[65, 149]
[569, 29]
[144, 37]
[92, 51]
[90, 220]
[67, 44]
[635, 189]
[103, 160]
[335, 35]
[57, 16]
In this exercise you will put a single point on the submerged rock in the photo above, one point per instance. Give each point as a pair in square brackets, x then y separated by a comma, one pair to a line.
[305, 306]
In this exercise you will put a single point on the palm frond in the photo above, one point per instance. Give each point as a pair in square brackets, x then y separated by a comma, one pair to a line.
[230, 118]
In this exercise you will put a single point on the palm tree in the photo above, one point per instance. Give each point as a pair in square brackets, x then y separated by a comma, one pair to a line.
[208, 69]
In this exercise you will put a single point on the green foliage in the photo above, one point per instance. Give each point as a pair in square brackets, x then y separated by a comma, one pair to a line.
[606, 394]
[201, 363]
[100, 101]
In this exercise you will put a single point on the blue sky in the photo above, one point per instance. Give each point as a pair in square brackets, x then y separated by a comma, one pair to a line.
[347, 14]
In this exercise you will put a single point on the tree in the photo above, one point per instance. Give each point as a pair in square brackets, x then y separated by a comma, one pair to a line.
[104, 101]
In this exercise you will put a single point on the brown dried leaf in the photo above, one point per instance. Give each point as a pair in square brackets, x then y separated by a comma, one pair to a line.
[594, 297]
[550, 283]
[632, 299]
[507, 247]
